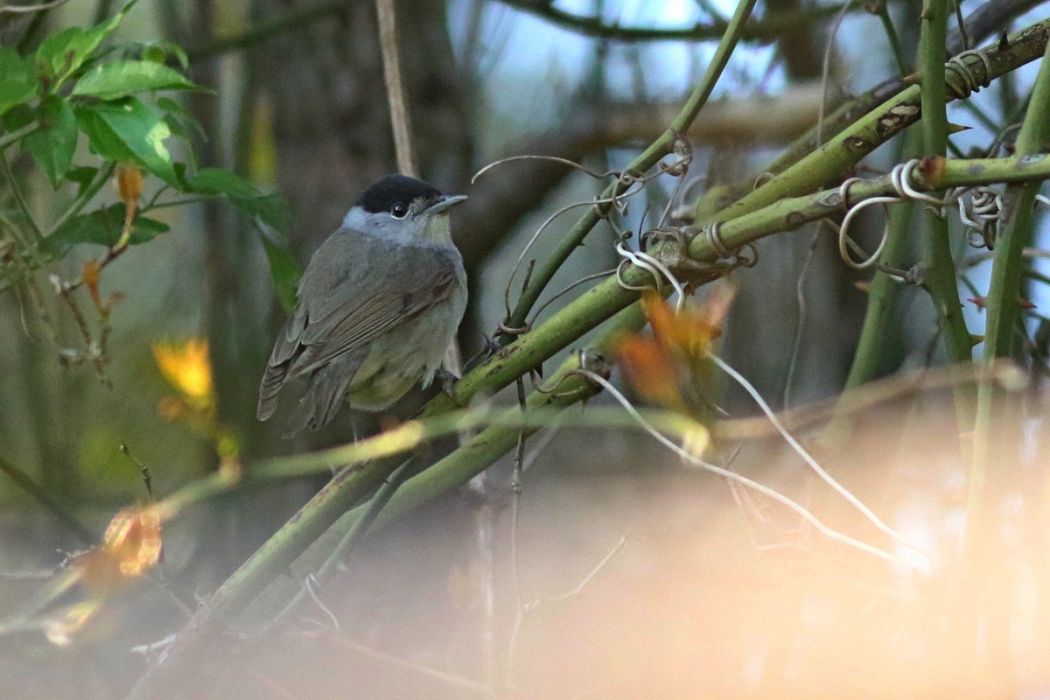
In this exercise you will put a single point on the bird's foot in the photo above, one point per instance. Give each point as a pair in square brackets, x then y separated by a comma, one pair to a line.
[446, 379]
[490, 348]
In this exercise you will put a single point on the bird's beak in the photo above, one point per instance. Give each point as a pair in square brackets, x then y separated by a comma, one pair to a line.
[446, 202]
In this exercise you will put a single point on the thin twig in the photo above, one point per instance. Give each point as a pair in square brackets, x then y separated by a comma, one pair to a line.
[515, 520]
[46, 500]
[688, 456]
[147, 480]
[800, 292]
[267, 29]
[18, 134]
[808, 458]
[84, 197]
[26, 9]
[347, 545]
[20, 198]
[533, 605]
[395, 90]
[456, 681]
[761, 30]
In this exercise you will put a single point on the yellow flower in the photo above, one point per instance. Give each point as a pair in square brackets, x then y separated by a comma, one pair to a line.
[187, 368]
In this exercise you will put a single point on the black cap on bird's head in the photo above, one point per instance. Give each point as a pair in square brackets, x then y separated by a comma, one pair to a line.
[389, 190]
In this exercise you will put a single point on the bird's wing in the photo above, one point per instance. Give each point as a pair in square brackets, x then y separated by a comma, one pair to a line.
[358, 311]
[338, 313]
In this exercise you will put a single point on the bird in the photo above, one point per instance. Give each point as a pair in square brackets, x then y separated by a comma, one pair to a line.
[377, 306]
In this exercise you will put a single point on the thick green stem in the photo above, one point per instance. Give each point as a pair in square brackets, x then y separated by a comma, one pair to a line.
[937, 254]
[1004, 292]
[1008, 264]
[931, 174]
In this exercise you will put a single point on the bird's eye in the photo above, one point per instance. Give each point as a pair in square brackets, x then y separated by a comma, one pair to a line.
[399, 210]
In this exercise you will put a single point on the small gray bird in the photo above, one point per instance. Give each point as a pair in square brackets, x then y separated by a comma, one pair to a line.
[378, 306]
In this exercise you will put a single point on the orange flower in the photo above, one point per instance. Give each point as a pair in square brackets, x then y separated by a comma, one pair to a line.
[90, 275]
[664, 367]
[129, 186]
[650, 369]
[130, 547]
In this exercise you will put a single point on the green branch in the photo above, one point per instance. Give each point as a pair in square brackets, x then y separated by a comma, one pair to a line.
[542, 276]
[932, 174]
[836, 158]
[1019, 201]
[1004, 292]
[937, 253]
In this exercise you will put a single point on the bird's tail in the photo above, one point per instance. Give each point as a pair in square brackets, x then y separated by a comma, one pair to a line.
[326, 393]
[272, 381]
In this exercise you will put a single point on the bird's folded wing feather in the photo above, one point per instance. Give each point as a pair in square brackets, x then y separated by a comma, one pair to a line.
[338, 312]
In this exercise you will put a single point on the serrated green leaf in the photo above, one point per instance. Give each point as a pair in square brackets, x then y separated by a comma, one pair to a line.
[119, 78]
[55, 143]
[126, 129]
[285, 272]
[269, 209]
[16, 80]
[101, 227]
[62, 53]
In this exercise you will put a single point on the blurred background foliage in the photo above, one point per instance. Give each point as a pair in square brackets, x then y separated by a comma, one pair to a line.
[255, 124]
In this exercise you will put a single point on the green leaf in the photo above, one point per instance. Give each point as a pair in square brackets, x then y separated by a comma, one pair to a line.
[285, 272]
[17, 117]
[269, 209]
[101, 227]
[82, 176]
[16, 80]
[159, 51]
[62, 53]
[180, 120]
[119, 78]
[126, 129]
[54, 144]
